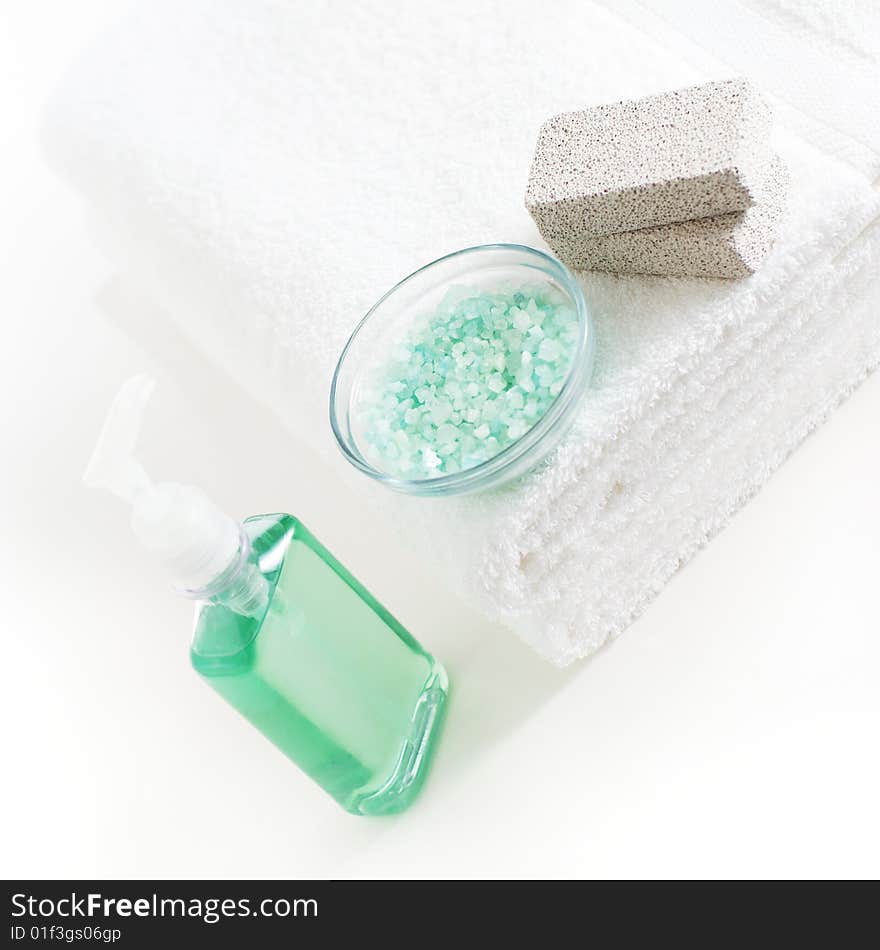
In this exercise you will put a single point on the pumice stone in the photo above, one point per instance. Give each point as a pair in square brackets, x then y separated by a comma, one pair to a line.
[697, 152]
[727, 245]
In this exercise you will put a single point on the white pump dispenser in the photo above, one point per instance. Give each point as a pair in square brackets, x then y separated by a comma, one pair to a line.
[198, 543]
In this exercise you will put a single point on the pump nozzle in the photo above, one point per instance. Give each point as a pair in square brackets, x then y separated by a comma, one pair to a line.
[113, 465]
[179, 523]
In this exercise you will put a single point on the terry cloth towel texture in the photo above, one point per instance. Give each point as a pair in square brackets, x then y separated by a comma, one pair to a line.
[266, 170]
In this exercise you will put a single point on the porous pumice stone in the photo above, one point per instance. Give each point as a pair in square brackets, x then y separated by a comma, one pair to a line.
[692, 153]
[467, 380]
[727, 245]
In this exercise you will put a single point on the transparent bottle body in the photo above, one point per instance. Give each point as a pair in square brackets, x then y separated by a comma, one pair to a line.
[324, 672]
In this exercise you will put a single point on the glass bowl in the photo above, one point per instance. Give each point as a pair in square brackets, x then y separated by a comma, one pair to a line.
[485, 269]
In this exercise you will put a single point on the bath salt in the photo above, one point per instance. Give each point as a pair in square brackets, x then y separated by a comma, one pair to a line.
[464, 382]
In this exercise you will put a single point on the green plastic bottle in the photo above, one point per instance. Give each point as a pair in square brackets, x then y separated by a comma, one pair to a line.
[285, 634]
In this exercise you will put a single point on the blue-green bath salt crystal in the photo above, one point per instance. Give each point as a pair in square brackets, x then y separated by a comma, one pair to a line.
[466, 381]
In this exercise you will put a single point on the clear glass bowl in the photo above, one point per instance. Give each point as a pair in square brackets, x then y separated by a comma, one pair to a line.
[485, 268]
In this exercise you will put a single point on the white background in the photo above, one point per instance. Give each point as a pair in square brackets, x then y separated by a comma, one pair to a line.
[731, 731]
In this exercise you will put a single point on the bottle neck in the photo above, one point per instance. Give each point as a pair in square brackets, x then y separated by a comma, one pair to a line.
[241, 586]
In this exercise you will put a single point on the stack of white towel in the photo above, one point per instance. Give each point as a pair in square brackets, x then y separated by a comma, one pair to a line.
[267, 170]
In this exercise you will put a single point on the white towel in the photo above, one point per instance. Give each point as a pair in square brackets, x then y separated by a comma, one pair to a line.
[268, 170]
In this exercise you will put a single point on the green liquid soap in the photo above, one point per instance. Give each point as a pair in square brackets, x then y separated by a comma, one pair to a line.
[316, 663]
[283, 632]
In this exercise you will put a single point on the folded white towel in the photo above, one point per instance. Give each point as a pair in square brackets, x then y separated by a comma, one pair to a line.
[268, 182]
[703, 390]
